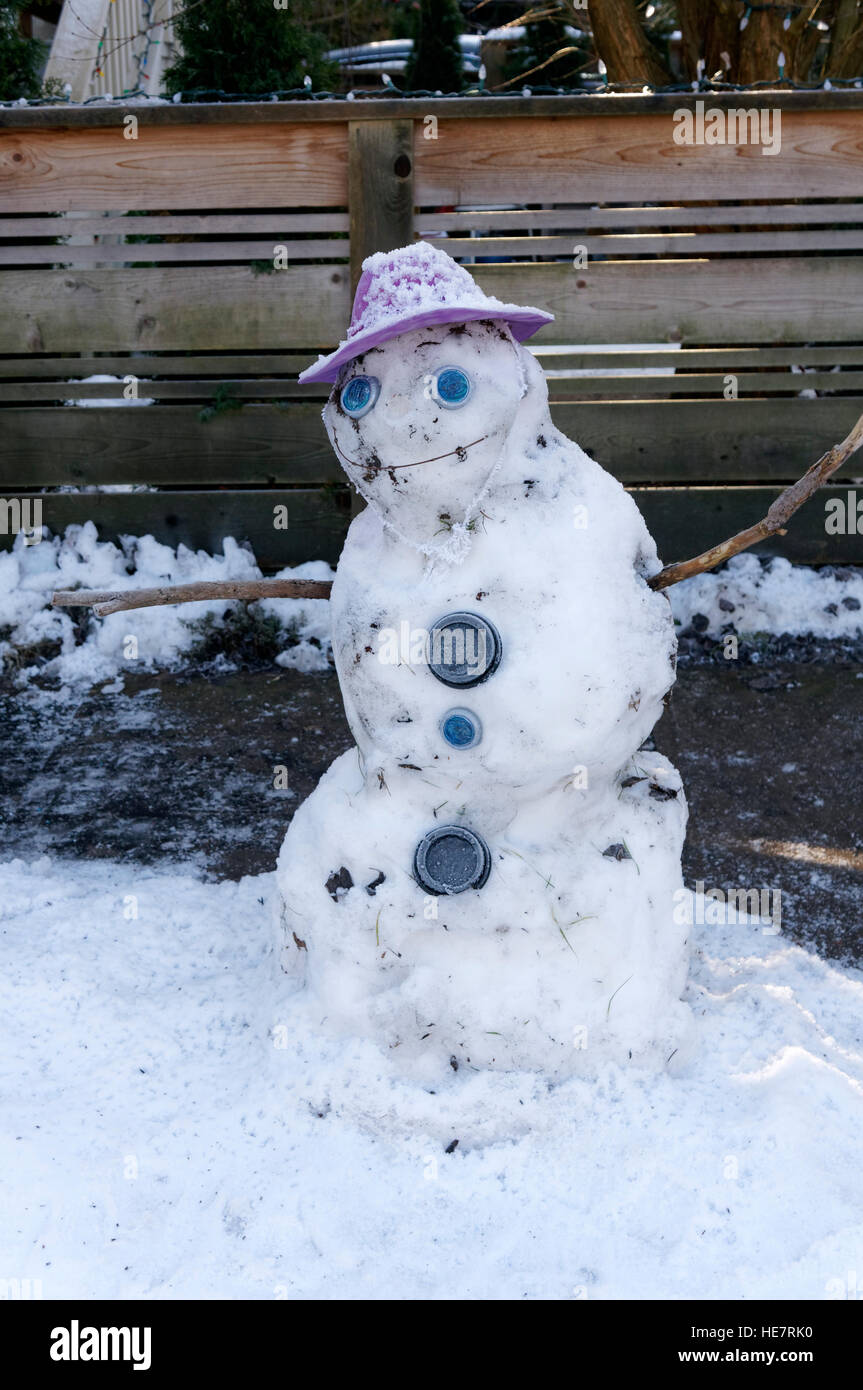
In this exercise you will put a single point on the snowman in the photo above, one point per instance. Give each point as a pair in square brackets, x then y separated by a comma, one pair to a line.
[487, 880]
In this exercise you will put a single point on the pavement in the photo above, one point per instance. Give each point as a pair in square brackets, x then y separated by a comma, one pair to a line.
[179, 768]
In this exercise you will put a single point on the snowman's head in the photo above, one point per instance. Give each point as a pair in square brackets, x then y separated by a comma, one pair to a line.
[420, 422]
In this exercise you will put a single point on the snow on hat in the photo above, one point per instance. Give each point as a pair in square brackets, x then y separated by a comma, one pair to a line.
[415, 287]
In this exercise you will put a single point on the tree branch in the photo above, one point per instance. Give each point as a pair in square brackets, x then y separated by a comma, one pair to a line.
[785, 506]
[105, 601]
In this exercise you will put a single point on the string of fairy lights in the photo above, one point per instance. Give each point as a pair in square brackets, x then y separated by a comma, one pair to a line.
[702, 85]
[141, 55]
[715, 84]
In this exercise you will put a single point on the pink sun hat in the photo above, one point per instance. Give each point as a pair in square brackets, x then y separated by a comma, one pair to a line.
[415, 287]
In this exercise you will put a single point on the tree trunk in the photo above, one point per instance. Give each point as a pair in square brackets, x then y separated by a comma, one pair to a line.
[843, 26]
[710, 29]
[845, 58]
[761, 42]
[802, 39]
[622, 44]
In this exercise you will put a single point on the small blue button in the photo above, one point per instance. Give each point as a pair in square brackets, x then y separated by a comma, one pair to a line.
[452, 387]
[359, 395]
[461, 728]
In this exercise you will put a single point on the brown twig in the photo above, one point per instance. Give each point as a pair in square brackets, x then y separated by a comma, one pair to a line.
[785, 506]
[105, 601]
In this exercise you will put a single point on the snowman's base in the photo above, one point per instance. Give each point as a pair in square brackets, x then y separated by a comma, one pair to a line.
[573, 953]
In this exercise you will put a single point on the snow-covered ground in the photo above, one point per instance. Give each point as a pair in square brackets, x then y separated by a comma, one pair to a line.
[176, 1125]
[794, 600]
[782, 599]
[162, 636]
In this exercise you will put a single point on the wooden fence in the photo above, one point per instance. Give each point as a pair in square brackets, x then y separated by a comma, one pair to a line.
[150, 259]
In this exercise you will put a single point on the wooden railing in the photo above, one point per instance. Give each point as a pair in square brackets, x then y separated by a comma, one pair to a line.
[738, 268]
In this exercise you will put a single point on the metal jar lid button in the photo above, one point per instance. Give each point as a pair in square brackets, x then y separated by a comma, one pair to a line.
[464, 649]
[450, 859]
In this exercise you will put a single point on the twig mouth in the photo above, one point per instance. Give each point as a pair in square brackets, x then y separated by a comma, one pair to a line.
[460, 450]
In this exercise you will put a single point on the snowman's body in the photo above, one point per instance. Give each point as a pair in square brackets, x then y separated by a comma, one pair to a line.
[569, 952]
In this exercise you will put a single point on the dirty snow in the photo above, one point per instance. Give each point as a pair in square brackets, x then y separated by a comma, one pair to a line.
[775, 598]
[175, 1125]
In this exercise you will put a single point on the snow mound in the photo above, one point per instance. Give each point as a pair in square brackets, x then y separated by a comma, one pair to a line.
[778, 598]
[160, 637]
[179, 1126]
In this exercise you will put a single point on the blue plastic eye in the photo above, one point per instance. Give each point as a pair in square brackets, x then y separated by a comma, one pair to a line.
[359, 395]
[461, 728]
[452, 387]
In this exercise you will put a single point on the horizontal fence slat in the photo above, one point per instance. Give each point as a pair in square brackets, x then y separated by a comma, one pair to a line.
[627, 301]
[607, 386]
[638, 441]
[696, 441]
[173, 308]
[165, 224]
[708, 441]
[166, 253]
[567, 158]
[686, 521]
[573, 159]
[164, 445]
[317, 520]
[587, 105]
[222, 365]
[244, 165]
[682, 520]
[554, 218]
[701, 384]
[706, 386]
[686, 359]
[659, 244]
[34, 392]
[715, 301]
[228, 366]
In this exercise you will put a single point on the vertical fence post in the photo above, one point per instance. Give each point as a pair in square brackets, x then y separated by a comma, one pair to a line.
[380, 188]
[381, 197]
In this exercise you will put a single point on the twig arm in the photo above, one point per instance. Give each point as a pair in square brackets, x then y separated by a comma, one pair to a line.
[785, 506]
[105, 601]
